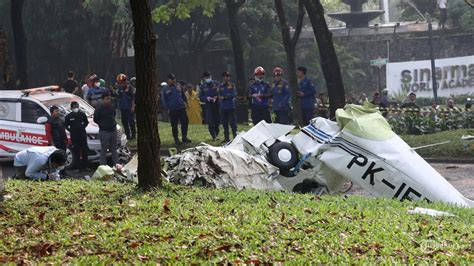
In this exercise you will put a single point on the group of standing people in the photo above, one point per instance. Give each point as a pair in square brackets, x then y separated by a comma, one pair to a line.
[260, 93]
[105, 101]
[218, 100]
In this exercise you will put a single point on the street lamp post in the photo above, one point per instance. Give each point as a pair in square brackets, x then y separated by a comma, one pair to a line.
[433, 65]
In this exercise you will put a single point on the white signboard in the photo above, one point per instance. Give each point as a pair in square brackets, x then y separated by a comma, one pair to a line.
[453, 75]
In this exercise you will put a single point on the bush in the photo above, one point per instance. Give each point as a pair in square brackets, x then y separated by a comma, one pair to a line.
[458, 99]
[428, 123]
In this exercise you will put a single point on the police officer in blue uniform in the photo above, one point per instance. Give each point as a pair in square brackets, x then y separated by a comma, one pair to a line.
[227, 93]
[259, 93]
[174, 101]
[306, 93]
[281, 97]
[208, 94]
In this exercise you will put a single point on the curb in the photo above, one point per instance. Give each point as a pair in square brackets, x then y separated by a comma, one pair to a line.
[450, 160]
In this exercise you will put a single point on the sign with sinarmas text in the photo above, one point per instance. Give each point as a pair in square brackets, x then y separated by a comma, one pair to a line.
[453, 76]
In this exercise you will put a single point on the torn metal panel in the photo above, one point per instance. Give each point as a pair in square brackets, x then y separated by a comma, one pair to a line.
[222, 167]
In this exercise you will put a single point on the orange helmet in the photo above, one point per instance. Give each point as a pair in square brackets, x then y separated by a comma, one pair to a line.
[259, 71]
[121, 77]
[278, 71]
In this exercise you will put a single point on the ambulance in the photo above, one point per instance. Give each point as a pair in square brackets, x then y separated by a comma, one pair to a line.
[23, 114]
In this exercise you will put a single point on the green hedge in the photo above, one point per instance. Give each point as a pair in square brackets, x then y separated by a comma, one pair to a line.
[432, 122]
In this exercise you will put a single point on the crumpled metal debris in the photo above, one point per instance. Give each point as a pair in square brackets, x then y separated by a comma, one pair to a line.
[221, 167]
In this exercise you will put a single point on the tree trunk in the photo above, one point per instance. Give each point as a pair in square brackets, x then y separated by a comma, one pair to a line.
[293, 81]
[149, 166]
[238, 51]
[20, 42]
[6, 68]
[290, 49]
[329, 62]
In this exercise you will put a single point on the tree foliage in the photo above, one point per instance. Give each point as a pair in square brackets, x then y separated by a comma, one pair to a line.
[93, 36]
[460, 15]
[182, 9]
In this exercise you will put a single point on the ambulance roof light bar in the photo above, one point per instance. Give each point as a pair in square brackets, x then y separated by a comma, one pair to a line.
[52, 88]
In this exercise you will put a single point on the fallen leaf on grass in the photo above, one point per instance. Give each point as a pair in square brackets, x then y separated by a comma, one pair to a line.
[107, 191]
[166, 209]
[439, 251]
[168, 238]
[90, 237]
[225, 248]
[41, 216]
[135, 244]
[71, 254]
[358, 250]
[253, 262]
[42, 249]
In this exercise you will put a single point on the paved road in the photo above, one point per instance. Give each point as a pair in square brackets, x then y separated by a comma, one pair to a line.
[460, 175]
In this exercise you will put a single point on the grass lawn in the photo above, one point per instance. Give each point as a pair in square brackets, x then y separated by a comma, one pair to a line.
[458, 148]
[91, 222]
[197, 134]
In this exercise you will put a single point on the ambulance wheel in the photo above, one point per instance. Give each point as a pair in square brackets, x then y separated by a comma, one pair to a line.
[283, 155]
[69, 158]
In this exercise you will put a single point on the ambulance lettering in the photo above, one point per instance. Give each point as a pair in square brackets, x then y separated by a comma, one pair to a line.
[23, 138]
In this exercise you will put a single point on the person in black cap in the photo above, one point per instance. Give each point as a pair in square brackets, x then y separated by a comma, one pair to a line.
[174, 102]
[209, 94]
[227, 93]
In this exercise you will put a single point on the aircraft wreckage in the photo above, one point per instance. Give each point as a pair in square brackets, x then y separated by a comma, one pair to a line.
[321, 157]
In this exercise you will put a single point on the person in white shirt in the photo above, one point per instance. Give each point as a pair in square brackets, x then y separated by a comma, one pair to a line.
[442, 5]
[88, 84]
[40, 163]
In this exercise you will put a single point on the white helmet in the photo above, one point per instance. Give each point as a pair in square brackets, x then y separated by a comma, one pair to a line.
[163, 84]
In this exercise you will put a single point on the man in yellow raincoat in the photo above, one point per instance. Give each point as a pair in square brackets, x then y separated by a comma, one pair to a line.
[194, 105]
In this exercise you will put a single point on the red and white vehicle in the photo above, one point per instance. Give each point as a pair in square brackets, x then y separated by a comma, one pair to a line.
[23, 115]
